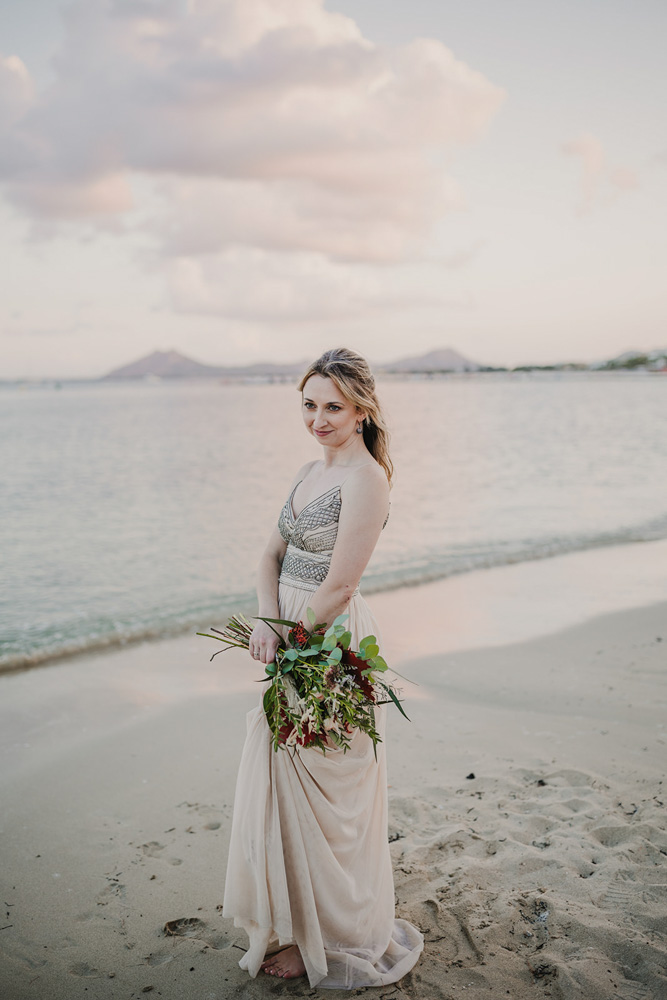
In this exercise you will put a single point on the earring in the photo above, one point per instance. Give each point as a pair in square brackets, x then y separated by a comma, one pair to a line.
[360, 429]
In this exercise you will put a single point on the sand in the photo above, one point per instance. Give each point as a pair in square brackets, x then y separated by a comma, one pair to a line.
[527, 798]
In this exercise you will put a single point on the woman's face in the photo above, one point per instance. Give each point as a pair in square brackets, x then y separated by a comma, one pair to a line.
[328, 416]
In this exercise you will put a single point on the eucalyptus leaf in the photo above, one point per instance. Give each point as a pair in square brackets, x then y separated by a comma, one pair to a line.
[266, 701]
[340, 619]
[395, 700]
[371, 650]
[311, 616]
[335, 655]
[276, 621]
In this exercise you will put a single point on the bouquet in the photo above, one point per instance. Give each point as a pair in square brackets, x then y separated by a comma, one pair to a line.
[319, 690]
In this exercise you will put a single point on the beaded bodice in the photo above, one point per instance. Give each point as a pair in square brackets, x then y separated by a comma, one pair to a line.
[310, 539]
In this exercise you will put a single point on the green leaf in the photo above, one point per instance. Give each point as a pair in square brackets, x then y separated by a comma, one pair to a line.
[311, 616]
[290, 654]
[380, 663]
[371, 651]
[340, 619]
[276, 621]
[345, 640]
[335, 655]
[368, 640]
[330, 641]
[394, 699]
[271, 669]
[266, 700]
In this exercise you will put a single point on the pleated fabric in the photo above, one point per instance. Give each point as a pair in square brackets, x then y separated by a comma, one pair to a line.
[309, 860]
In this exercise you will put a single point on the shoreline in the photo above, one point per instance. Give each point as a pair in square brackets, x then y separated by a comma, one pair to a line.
[645, 558]
[526, 799]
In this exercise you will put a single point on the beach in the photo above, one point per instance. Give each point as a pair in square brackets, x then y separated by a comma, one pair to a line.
[527, 796]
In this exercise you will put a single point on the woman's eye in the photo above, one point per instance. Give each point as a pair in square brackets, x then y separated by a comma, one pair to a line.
[335, 408]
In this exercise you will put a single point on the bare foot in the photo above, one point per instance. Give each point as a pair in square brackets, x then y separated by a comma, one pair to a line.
[287, 964]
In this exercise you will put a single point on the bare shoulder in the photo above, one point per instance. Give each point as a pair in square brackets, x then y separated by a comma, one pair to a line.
[367, 484]
[303, 472]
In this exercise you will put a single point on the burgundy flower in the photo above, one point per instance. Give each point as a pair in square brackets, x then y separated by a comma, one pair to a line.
[299, 636]
[350, 659]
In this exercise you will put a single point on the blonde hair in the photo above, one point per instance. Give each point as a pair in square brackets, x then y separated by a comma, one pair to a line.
[351, 374]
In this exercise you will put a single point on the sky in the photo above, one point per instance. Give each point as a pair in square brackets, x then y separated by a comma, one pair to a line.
[245, 180]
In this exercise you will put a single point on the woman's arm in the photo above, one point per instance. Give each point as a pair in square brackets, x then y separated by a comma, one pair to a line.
[364, 507]
[264, 640]
[268, 572]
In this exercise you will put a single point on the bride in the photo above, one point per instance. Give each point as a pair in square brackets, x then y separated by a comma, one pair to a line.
[309, 873]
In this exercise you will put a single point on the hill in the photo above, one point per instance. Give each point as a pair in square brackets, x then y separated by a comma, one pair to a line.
[444, 359]
[172, 364]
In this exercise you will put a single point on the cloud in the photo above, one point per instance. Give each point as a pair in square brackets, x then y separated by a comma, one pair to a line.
[255, 285]
[267, 125]
[596, 175]
[624, 179]
[265, 92]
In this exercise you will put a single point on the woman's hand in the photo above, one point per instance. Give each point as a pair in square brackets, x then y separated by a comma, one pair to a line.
[263, 643]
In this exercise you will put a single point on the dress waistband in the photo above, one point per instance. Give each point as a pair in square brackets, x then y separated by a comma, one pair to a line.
[286, 580]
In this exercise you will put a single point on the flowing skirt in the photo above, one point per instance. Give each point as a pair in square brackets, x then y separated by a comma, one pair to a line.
[309, 860]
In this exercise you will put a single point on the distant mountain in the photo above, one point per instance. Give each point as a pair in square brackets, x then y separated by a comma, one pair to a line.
[172, 364]
[445, 359]
[163, 364]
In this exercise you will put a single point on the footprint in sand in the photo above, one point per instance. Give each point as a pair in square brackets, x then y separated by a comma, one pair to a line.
[633, 991]
[85, 970]
[115, 890]
[153, 849]
[157, 959]
[193, 927]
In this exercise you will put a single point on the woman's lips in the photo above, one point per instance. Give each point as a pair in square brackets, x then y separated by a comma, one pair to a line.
[322, 433]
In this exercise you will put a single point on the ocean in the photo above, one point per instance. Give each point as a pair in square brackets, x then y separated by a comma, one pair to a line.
[139, 510]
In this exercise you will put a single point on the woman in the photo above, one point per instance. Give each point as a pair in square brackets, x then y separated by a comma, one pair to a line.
[309, 870]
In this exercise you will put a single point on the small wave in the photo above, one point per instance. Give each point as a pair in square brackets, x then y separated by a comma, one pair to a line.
[156, 624]
[440, 566]
[100, 635]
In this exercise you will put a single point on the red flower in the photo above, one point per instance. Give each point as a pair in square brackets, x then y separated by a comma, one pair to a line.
[350, 659]
[299, 636]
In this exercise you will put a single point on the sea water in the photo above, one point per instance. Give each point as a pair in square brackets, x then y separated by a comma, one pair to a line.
[134, 510]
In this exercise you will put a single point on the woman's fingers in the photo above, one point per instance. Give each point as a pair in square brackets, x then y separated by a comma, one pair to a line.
[268, 652]
[261, 646]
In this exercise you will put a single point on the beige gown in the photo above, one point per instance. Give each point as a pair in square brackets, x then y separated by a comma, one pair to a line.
[309, 859]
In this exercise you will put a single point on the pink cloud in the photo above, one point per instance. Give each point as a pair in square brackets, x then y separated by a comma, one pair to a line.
[234, 131]
[248, 93]
[596, 176]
